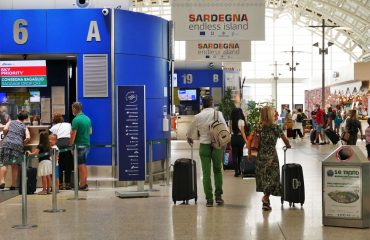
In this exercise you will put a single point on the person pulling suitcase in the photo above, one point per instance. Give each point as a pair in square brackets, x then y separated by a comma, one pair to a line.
[209, 155]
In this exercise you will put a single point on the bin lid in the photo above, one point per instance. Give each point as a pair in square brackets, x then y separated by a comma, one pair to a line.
[347, 154]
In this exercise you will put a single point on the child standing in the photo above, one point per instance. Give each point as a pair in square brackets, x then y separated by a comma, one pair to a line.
[367, 136]
[53, 145]
[338, 121]
[44, 169]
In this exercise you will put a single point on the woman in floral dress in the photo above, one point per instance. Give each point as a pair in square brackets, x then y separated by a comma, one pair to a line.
[267, 164]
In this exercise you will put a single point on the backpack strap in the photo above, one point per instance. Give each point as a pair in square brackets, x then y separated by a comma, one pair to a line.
[215, 116]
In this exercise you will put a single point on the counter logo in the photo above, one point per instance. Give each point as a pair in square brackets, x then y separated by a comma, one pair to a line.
[131, 97]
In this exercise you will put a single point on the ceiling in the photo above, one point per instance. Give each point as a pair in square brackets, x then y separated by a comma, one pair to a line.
[353, 17]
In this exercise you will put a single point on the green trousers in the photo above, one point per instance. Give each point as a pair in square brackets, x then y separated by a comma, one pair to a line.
[208, 156]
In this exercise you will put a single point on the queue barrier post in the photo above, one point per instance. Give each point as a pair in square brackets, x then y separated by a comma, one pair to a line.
[54, 185]
[168, 163]
[75, 175]
[165, 172]
[24, 224]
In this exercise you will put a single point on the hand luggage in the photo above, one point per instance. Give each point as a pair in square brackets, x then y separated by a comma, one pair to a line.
[228, 160]
[184, 180]
[248, 166]
[333, 136]
[289, 132]
[313, 136]
[292, 182]
[31, 180]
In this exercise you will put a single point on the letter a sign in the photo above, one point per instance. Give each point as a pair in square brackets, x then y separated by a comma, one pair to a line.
[93, 32]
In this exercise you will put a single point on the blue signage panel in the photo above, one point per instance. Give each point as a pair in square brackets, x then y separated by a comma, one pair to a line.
[131, 132]
[22, 31]
[194, 78]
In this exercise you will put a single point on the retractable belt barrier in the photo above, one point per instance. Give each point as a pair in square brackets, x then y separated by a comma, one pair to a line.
[25, 161]
[166, 170]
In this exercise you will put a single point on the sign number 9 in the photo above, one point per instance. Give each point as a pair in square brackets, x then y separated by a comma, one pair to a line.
[20, 33]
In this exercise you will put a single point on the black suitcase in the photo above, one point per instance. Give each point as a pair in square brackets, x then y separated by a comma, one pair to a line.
[249, 166]
[292, 182]
[333, 136]
[313, 136]
[31, 180]
[184, 180]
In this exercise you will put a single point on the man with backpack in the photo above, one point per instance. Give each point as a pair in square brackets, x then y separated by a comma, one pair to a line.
[209, 152]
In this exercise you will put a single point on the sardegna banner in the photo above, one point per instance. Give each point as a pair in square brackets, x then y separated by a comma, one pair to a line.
[30, 73]
[218, 19]
[225, 51]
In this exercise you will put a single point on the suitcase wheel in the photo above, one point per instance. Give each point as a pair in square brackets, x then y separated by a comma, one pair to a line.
[174, 202]
[301, 204]
[290, 204]
[187, 202]
[282, 201]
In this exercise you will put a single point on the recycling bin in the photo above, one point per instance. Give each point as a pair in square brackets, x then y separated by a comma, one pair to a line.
[345, 188]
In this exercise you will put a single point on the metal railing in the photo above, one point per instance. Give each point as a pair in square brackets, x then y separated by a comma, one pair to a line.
[166, 170]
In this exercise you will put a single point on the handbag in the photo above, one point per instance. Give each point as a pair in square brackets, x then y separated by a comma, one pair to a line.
[345, 136]
[255, 142]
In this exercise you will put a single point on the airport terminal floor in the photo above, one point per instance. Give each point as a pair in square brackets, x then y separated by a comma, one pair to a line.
[104, 216]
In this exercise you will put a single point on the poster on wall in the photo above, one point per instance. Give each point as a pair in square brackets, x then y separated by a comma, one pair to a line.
[343, 192]
[232, 81]
[131, 133]
[31, 73]
[225, 51]
[221, 19]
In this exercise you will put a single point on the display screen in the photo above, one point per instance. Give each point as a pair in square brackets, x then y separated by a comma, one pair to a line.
[34, 96]
[188, 95]
[23, 73]
[3, 98]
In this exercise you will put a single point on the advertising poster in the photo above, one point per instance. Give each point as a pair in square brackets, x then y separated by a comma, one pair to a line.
[23, 73]
[232, 81]
[131, 133]
[225, 51]
[218, 19]
[342, 192]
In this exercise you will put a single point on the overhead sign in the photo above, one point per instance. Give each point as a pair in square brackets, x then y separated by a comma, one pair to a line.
[225, 51]
[23, 73]
[223, 19]
[131, 133]
[343, 192]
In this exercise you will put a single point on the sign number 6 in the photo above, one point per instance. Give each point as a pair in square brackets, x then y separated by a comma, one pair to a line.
[20, 33]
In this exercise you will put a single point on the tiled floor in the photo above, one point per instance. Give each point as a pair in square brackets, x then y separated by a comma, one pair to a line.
[104, 216]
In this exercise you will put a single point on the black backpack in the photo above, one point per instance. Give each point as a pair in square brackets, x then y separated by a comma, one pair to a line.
[299, 118]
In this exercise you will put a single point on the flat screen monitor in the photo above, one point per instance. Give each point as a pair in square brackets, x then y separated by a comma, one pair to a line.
[30, 73]
[188, 95]
[3, 98]
[35, 96]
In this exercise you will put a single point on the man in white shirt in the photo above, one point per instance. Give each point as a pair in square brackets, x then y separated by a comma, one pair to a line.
[207, 153]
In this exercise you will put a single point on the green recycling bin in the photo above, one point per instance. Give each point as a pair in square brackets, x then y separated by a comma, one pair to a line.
[345, 188]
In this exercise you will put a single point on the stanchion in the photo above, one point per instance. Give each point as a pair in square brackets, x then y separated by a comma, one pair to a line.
[168, 166]
[75, 175]
[151, 177]
[24, 224]
[54, 186]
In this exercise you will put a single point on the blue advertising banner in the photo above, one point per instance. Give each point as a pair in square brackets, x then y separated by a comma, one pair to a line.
[131, 132]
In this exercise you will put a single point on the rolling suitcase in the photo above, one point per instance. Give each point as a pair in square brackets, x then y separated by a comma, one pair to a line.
[228, 160]
[292, 182]
[333, 136]
[184, 180]
[249, 166]
[31, 181]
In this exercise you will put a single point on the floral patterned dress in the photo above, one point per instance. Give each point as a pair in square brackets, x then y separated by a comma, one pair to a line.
[267, 164]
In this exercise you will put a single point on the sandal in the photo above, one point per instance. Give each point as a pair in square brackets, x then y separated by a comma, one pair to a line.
[42, 193]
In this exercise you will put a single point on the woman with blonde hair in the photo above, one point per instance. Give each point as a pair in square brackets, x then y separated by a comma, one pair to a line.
[267, 163]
